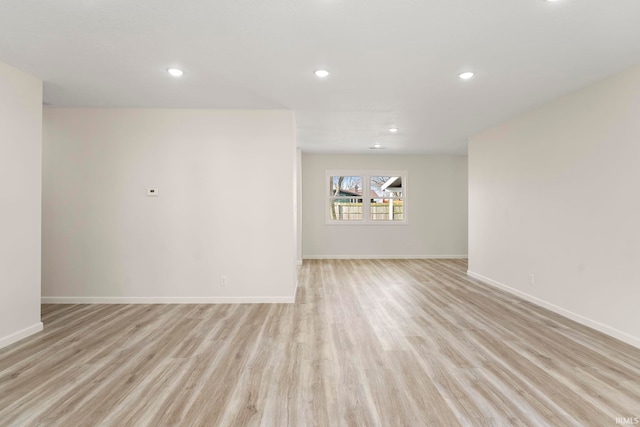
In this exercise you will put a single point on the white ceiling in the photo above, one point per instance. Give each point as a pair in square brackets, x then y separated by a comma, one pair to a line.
[393, 62]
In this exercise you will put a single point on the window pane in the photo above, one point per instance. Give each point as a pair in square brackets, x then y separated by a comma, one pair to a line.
[344, 209]
[345, 186]
[387, 210]
[386, 186]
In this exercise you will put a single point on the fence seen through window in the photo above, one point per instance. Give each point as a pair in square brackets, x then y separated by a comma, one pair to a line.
[366, 198]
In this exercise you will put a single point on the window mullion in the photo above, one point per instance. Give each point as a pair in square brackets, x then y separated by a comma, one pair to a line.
[366, 200]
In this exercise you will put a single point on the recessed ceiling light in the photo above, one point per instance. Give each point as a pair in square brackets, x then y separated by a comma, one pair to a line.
[321, 73]
[175, 72]
[393, 130]
[377, 147]
[466, 76]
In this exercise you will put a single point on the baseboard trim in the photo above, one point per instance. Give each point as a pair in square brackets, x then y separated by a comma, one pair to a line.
[600, 327]
[385, 257]
[168, 300]
[21, 334]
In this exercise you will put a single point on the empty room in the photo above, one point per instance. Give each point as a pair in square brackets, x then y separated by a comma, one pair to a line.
[319, 213]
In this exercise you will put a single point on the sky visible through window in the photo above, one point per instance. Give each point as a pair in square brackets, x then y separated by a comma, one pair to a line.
[366, 197]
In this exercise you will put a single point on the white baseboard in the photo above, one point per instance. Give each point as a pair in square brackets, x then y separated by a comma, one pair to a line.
[601, 327]
[384, 256]
[168, 300]
[21, 334]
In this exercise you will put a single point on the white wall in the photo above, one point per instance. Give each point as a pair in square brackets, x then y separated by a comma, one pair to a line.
[298, 199]
[20, 202]
[555, 193]
[437, 209]
[225, 205]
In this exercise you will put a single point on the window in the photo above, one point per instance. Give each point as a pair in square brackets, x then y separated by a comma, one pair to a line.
[366, 197]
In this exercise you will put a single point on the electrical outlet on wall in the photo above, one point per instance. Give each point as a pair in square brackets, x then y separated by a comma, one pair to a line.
[223, 280]
[532, 279]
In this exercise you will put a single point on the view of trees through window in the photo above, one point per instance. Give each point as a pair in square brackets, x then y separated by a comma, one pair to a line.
[346, 198]
[366, 198]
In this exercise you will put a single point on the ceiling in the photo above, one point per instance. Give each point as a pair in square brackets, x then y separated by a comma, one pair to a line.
[392, 63]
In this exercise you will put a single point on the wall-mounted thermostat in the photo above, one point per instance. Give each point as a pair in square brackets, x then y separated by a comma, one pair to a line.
[152, 191]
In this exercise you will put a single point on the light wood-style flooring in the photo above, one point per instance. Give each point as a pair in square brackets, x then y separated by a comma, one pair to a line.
[367, 343]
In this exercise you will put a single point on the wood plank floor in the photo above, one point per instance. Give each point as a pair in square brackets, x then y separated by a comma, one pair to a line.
[367, 343]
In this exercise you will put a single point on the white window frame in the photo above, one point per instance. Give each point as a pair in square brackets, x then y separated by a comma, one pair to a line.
[366, 196]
